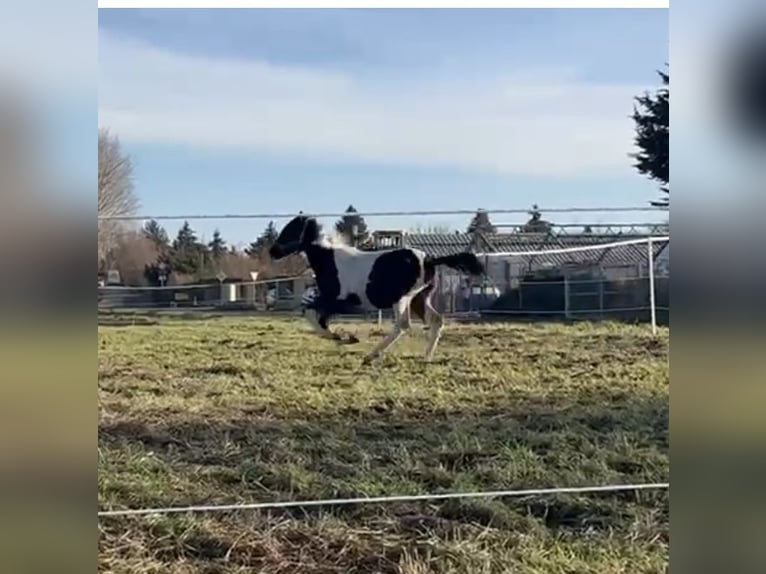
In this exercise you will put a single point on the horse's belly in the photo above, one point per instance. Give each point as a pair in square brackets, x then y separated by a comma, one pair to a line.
[354, 299]
[354, 293]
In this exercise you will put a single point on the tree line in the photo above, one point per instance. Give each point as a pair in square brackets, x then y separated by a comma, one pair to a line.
[152, 257]
[149, 256]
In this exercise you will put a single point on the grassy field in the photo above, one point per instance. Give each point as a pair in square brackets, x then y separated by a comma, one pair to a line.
[243, 410]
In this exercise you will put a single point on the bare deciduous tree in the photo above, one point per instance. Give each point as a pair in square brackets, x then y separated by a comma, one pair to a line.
[237, 265]
[290, 266]
[131, 253]
[116, 194]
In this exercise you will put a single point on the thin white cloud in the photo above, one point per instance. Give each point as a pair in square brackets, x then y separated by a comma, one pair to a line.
[516, 122]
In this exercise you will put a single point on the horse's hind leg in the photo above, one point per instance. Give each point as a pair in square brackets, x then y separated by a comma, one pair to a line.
[435, 321]
[418, 306]
[401, 324]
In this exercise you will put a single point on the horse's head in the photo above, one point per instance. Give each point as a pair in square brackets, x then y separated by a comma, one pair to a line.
[295, 237]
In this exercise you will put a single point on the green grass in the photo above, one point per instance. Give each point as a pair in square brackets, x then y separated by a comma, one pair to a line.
[247, 409]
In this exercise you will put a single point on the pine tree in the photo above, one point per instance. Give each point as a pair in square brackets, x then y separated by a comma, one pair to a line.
[352, 227]
[186, 238]
[217, 246]
[536, 223]
[188, 254]
[264, 241]
[481, 223]
[651, 117]
[269, 235]
[157, 234]
[162, 267]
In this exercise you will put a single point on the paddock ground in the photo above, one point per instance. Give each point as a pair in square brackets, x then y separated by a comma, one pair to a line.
[225, 410]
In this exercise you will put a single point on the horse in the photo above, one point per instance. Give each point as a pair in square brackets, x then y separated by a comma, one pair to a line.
[417, 305]
[348, 279]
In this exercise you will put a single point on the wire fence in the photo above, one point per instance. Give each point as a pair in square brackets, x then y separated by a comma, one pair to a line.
[588, 298]
[405, 213]
[383, 499]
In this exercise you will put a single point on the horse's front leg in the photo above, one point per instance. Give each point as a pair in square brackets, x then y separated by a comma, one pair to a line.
[319, 321]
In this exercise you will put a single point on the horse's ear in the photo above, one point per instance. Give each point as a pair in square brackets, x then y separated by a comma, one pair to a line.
[310, 232]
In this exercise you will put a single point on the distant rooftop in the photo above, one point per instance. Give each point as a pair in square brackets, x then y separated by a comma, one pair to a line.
[440, 244]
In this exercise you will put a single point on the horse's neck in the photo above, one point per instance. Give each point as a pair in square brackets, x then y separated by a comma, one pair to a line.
[322, 255]
[319, 256]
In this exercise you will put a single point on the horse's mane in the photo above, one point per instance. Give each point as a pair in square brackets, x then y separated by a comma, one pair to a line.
[335, 240]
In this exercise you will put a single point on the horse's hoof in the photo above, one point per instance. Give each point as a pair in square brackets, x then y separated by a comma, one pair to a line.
[344, 338]
[368, 360]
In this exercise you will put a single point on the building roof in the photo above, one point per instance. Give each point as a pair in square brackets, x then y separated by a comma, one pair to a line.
[439, 244]
[614, 256]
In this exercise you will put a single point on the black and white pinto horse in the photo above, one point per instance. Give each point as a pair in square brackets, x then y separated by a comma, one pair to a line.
[348, 279]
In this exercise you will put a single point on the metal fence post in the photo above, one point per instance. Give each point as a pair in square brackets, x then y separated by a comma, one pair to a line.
[652, 303]
[601, 294]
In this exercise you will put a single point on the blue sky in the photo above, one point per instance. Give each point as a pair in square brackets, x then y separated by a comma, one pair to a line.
[287, 110]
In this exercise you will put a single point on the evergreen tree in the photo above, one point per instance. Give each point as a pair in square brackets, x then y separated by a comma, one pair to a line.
[153, 272]
[253, 249]
[352, 227]
[651, 117]
[264, 240]
[157, 234]
[188, 254]
[217, 246]
[269, 235]
[186, 238]
[536, 223]
[481, 223]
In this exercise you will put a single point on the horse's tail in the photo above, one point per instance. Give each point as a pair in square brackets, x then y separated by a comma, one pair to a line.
[465, 262]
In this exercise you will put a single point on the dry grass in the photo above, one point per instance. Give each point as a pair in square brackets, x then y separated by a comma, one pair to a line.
[235, 410]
